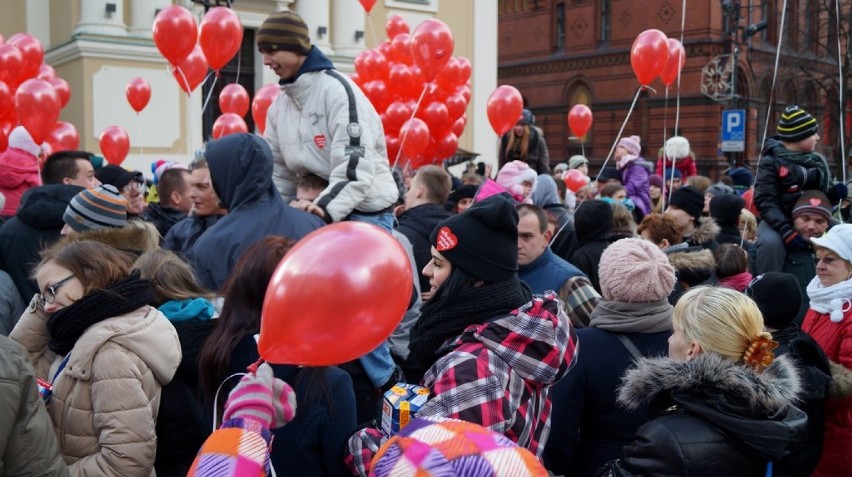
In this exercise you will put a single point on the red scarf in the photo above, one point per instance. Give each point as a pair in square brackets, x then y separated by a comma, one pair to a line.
[738, 282]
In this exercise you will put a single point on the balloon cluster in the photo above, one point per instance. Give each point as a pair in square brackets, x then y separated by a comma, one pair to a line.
[654, 55]
[420, 90]
[31, 95]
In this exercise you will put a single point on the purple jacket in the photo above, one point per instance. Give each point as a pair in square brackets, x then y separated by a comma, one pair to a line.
[635, 175]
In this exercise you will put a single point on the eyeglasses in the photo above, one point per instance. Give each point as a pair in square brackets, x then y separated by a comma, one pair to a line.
[134, 185]
[49, 294]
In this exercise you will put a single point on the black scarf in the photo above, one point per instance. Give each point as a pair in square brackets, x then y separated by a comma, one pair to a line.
[447, 318]
[810, 160]
[68, 324]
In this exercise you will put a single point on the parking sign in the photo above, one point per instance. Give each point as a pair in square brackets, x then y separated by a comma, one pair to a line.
[733, 130]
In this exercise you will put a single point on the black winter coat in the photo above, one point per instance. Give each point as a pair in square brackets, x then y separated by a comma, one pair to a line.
[712, 418]
[592, 224]
[417, 224]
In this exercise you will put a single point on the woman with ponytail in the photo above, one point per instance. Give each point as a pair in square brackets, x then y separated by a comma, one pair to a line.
[720, 403]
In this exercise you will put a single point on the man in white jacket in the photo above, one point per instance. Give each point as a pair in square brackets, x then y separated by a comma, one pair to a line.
[322, 124]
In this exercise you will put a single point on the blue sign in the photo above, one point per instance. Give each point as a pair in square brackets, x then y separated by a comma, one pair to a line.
[733, 130]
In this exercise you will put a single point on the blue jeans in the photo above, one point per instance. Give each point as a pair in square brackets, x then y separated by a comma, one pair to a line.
[378, 364]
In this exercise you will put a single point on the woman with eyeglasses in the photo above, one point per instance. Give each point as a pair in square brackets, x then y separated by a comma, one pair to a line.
[102, 356]
[829, 322]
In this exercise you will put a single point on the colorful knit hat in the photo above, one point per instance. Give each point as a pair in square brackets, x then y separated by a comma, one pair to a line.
[633, 144]
[812, 202]
[97, 208]
[441, 447]
[796, 124]
[160, 166]
[284, 31]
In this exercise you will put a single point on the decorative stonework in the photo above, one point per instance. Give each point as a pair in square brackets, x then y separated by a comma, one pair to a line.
[667, 11]
[625, 18]
[538, 32]
[579, 25]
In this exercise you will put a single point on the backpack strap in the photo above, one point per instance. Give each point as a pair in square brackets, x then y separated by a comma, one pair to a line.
[631, 348]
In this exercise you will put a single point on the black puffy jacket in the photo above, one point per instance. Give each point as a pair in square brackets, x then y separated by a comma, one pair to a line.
[711, 417]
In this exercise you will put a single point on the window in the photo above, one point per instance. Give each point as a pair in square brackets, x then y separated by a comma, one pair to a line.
[764, 15]
[242, 63]
[559, 27]
[606, 20]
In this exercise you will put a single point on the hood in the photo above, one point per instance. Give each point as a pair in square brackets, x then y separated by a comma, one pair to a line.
[535, 341]
[19, 168]
[691, 258]
[240, 169]
[705, 232]
[144, 332]
[592, 221]
[545, 191]
[756, 410]
[770, 144]
[43, 207]
[129, 238]
[155, 212]
[423, 218]
[315, 61]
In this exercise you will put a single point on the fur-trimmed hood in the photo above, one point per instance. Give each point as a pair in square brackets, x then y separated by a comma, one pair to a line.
[692, 259]
[705, 232]
[754, 409]
[136, 237]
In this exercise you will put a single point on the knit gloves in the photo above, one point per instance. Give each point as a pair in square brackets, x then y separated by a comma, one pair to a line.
[262, 398]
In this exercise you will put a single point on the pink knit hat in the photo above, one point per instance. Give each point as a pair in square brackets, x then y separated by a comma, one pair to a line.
[515, 173]
[634, 270]
[633, 144]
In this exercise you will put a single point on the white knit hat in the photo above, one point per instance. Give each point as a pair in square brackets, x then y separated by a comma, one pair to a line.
[20, 138]
[677, 147]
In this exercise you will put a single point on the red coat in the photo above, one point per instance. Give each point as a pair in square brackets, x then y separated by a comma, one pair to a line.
[686, 166]
[836, 340]
[20, 172]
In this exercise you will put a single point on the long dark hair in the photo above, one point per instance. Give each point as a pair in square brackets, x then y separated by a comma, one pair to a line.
[243, 293]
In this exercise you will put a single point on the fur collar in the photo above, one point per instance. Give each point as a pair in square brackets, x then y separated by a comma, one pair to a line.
[692, 259]
[769, 391]
[705, 232]
[136, 237]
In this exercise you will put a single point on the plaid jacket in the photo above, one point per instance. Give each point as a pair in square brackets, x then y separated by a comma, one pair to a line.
[497, 374]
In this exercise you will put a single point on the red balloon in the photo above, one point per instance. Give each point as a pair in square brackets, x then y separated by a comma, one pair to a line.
[432, 47]
[295, 327]
[504, 108]
[234, 99]
[401, 49]
[63, 137]
[138, 93]
[458, 126]
[414, 137]
[228, 123]
[580, 119]
[7, 101]
[465, 92]
[37, 106]
[220, 37]
[466, 68]
[392, 143]
[4, 140]
[377, 92]
[648, 55]
[371, 65]
[194, 68]
[115, 144]
[367, 4]
[356, 79]
[574, 180]
[263, 98]
[384, 48]
[11, 65]
[456, 106]
[677, 57]
[45, 71]
[436, 116]
[446, 145]
[63, 89]
[396, 25]
[32, 54]
[403, 82]
[175, 33]
[451, 75]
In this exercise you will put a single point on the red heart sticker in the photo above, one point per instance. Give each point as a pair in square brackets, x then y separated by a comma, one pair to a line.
[319, 139]
[815, 202]
[446, 240]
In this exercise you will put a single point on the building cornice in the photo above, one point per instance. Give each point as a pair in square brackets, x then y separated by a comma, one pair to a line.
[104, 47]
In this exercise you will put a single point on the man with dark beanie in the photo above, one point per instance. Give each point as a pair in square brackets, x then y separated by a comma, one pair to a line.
[778, 297]
[323, 124]
[725, 210]
[686, 205]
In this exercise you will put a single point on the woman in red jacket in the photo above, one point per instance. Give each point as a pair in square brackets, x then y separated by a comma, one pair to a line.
[829, 322]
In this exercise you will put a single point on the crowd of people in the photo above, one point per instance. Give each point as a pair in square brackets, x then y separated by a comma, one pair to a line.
[651, 322]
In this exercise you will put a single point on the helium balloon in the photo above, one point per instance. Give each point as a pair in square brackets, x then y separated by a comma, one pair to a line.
[377, 92]
[175, 33]
[677, 57]
[263, 98]
[63, 89]
[392, 143]
[436, 116]
[580, 119]
[446, 145]
[451, 75]
[4, 140]
[574, 180]
[32, 54]
[401, 49]
[37, 106]
[45, 71]
[220, 37]
[466, 68]
[396, 25]
[414, 137]
[63, 137]
[318, 274]
[371, 65]
[458, 126]
[115, 144]
[456, 106]
[194, 69]
[367, 4]
[234, 99]
[228, 123]
[432, 46]
[138, 93]
[11, 65]
[648, 55]
[7, 101]
[504, 108]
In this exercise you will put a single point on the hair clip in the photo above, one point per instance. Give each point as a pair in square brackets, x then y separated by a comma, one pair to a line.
[759, 352]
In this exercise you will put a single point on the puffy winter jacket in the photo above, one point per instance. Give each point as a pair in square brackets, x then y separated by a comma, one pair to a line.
[20, 173]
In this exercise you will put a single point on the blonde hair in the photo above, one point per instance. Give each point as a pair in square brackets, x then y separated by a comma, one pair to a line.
[749, 225]
[172, 278]
[523, 147]
[699, 182]
[721, 320]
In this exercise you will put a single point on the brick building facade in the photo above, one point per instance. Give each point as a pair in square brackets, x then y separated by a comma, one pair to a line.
[563, 52]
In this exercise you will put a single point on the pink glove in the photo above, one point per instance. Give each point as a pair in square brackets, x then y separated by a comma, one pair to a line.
[263, 398]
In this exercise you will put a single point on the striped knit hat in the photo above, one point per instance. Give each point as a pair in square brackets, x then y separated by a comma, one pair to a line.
[812, 202]
[796, 124]
[97, 208]
[448, 447]
[284, 31]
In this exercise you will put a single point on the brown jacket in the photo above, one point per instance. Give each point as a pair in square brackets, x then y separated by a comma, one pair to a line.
[105, 401]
